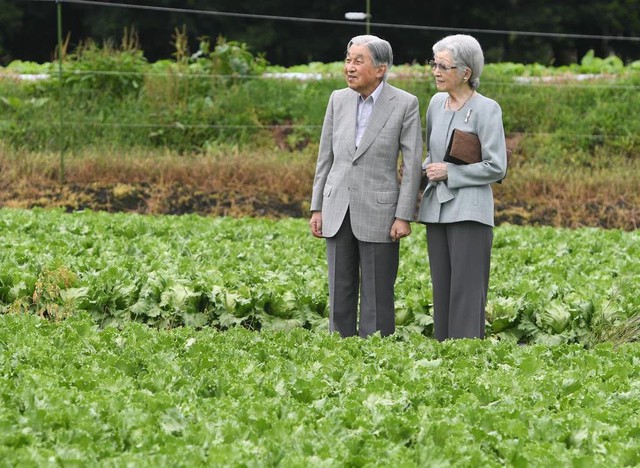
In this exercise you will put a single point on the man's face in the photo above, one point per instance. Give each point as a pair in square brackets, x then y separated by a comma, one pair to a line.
[361, 75]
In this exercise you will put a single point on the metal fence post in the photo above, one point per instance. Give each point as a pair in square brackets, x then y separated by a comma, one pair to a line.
[60, 91]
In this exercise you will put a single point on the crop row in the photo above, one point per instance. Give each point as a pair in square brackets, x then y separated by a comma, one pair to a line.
[547, 285]
[72, 394]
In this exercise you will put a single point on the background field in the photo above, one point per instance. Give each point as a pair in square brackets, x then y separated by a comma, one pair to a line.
[226, 134]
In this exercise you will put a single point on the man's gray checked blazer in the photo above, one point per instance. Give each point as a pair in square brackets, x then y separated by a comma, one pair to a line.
[364, 179]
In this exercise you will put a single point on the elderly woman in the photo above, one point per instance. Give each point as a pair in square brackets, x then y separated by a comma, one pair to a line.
[457, 204]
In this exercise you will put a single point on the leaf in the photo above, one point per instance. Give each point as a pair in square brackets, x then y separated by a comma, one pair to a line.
[172, 421]
[555, 317]
[503, 313]
[73, 294]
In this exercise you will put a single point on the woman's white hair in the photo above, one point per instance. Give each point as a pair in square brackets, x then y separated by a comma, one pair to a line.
[465, 52]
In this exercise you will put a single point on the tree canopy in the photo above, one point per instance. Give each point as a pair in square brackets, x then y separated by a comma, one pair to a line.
[291, 32]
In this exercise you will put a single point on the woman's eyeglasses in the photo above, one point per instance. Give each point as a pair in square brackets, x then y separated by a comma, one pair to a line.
[440, 66]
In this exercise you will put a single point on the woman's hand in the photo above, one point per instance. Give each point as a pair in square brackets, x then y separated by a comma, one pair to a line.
[436, 172]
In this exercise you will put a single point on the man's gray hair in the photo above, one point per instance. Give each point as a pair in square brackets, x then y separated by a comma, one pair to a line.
[466, 52]
[381, 52]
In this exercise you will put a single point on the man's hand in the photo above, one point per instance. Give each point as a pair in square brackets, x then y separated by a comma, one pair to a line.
[315, 223]
[400, 229]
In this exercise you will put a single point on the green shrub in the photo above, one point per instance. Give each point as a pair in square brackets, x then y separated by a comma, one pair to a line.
[220, 95]
[107, 70]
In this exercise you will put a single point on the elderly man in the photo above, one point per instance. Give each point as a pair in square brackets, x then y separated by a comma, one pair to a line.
[358, 204]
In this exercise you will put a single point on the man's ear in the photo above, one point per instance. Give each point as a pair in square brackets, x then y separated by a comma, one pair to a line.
[382, 69]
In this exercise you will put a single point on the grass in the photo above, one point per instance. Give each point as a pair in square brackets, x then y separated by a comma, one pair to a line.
[571, 197]
[32, 179]
[266, 180]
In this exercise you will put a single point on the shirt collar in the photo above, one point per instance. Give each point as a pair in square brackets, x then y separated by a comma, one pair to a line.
[375, 95]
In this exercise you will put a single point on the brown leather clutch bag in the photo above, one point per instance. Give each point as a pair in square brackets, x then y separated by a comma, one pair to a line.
[464, 148]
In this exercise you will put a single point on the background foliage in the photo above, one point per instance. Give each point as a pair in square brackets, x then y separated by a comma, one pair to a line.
[28, 28]
[111, 96]
[222, 132]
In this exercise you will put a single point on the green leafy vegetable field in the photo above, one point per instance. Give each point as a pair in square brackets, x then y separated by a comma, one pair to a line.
[547, 286]
[72, 394]
[129, 340]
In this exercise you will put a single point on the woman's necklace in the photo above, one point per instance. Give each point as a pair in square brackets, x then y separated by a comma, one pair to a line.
[447, 103]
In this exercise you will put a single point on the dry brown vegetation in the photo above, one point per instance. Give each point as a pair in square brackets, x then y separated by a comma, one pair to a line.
[276, 183]
[598, 199]
[233, 183]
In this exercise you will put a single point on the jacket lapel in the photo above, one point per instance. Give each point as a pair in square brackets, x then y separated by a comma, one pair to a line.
[352, 113]
[381, 112]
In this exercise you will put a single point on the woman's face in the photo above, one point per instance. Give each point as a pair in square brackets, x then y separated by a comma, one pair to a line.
[447, 78]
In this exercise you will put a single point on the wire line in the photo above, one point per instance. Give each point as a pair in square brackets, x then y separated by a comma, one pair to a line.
[345, 22]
